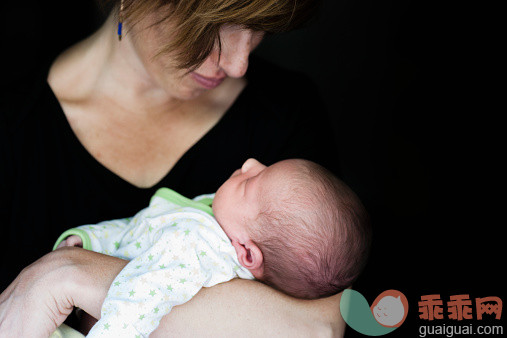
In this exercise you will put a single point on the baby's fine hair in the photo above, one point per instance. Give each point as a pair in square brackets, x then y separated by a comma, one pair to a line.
[315, 237]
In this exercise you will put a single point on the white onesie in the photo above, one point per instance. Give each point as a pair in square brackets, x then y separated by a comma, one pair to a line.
[175, 247]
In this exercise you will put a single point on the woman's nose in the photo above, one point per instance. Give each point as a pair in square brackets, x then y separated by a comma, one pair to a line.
[236, 47]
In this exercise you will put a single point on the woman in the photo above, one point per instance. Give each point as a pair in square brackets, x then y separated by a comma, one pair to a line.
[167, 102]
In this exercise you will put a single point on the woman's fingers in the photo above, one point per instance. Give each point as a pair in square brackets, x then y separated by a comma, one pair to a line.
[35, 303]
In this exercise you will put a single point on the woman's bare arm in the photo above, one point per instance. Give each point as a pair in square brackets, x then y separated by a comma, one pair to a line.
[76, 277]
[246, 308]
[238, 307]
[251, 309]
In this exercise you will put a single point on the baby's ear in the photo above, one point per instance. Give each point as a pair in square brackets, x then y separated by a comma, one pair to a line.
[250, 256]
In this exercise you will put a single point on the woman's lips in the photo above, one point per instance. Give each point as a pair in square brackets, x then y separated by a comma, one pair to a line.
[207, 82]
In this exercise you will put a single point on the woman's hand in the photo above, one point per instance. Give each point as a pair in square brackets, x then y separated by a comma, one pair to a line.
[45, 292]
[36, 302]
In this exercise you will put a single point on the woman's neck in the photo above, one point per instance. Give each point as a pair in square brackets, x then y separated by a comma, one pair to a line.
[103, 67]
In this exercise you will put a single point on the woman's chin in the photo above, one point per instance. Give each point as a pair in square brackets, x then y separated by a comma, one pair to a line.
[190, 94]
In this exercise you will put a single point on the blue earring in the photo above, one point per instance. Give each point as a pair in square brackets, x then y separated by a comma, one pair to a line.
[120, 21]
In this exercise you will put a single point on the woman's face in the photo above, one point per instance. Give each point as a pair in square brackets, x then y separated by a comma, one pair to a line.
[236, 43]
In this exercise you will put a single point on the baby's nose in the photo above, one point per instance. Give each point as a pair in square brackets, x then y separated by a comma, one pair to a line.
[249, 164]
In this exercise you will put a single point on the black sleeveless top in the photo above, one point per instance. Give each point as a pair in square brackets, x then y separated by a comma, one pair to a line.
[49, 182]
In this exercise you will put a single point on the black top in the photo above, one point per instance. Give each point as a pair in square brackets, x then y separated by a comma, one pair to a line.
[49, 182]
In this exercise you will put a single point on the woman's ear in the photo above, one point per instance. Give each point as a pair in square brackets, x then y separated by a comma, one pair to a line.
[250, 256]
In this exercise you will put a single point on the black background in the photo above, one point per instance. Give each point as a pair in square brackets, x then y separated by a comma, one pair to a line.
[414, 90]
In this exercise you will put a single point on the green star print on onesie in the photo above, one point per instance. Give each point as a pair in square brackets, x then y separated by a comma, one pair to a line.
[175, 247]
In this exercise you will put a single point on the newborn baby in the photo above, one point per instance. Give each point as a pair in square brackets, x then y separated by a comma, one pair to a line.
[292, 225]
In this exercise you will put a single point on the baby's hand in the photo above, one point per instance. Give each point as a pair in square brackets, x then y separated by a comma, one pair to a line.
[72, 240]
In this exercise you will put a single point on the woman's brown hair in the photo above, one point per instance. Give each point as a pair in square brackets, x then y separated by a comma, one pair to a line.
[198, 22]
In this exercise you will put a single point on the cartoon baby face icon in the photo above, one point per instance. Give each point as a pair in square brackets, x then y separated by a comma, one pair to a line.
[390, 308]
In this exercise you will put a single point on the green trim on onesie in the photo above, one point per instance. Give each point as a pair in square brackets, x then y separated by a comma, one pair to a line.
[87, 243]
[206, 201]
[174, 197]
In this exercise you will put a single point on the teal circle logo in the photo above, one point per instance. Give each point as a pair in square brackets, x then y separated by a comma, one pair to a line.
[386, 314]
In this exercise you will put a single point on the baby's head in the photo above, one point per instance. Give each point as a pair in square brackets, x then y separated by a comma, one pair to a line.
[295, 226]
